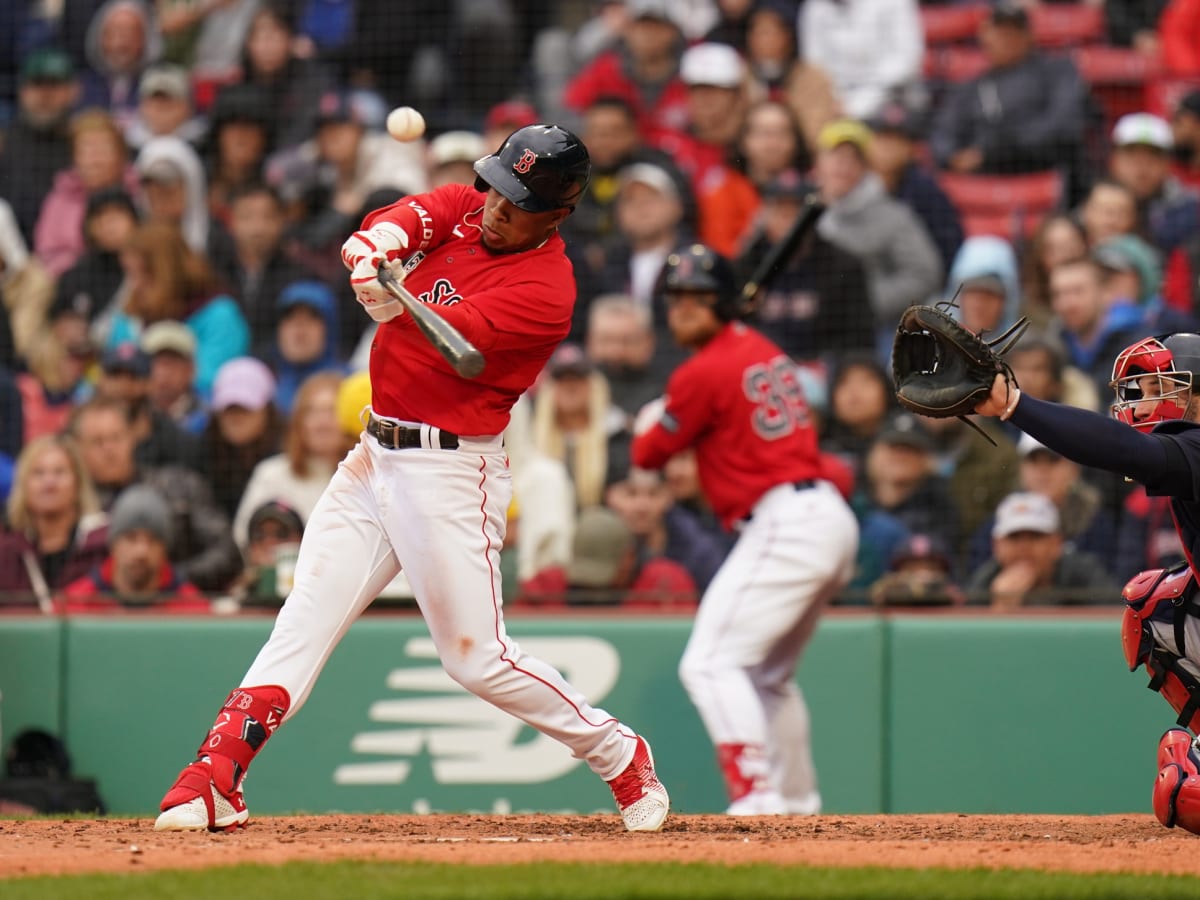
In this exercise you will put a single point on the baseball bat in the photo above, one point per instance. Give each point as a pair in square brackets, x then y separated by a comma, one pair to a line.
[462, 355]
[779, 254]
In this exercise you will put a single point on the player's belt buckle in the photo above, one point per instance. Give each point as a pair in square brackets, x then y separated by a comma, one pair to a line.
[394, 436]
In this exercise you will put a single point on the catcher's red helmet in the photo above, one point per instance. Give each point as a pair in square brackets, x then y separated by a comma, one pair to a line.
[1173, 363]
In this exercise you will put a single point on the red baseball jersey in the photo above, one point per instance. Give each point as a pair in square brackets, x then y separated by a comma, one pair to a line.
[515, 307]
[738, 400]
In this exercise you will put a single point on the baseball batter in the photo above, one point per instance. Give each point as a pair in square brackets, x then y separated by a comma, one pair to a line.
[738, 401]
[428, 485]
[1155, 381]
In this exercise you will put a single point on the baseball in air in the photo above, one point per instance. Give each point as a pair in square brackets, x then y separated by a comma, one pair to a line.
[405, 124]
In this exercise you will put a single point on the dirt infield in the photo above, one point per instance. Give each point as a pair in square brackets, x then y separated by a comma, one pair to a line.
[1128, 843]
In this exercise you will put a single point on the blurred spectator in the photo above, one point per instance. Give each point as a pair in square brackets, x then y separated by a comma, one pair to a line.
[52, 383]
[660, 528]
[312, 447]
[202, 548]
[1141, 161]
[920, 573]
[1109, 210]
[770, 47]
[173, 189]
[244, 428]
[273, 541]
[90, 288]
[125, 378]
[306, 339]
[900, 259]
[165, 108]
[253, 264]
[1134, 23]
[37, 145]
[732, 23]
[332, 174]
[165, 279]
[984, 276]
[642, 69]
[293, 86]
[1040, 365]
[605, 570]
[1133, 275]
[136, 574]
[207, 38]
[1032, 566]
[1146, 536]
[452, 155]
[817, 304]
[55, 531]
[1092, 332]
[860, 404]
[575, 422]
[171, 347]
[682, 478]
[1086, 524]
[239, 138]
[872, 50]
[122, 40]
[505, 118]
[1179, 35]
[902, 479]
[895, 155]
[26, 291]
[99, 160]
[1185, 132]
[1025, 113]
[620, 342]
[770, 143]
[1059, 237]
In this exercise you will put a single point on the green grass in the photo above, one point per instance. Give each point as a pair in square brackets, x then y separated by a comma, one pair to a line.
[577, 881]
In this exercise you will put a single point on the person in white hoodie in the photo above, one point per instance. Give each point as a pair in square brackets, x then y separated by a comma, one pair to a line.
[174, 188]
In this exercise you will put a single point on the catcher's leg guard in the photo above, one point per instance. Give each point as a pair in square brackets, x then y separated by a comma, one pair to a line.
[1176, 797]
[208, 792]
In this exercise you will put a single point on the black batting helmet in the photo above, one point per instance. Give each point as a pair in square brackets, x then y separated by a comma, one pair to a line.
[697, 267]
[1175, 360]
[538, 168]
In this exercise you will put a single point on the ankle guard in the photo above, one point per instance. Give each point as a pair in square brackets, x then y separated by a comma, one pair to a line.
[1167, 596]
[248, 717]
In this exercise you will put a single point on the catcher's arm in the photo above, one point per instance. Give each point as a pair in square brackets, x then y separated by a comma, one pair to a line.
[1002, 400]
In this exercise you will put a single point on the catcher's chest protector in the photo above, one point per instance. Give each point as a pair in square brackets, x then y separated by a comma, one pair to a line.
[1166, 596]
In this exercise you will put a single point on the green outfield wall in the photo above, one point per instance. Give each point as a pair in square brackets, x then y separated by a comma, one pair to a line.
[910, 714]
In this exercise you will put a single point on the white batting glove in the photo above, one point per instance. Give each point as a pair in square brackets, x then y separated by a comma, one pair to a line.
[649, 415]
[362, 254]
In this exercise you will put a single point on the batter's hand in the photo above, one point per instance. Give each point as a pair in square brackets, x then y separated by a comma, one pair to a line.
[374, 297]
[649, 415]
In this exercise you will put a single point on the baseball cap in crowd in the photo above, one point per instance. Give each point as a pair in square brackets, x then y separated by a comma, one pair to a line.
[1029, 445]
[920, 547]
[787, 185]
[905, 431]
[125, 359]
[47, 66]
[894, 118]
[510, 115]
[718, 65]
[649, 9]
[845, 131]
[165, 80]
[1142, 129]
[288, 521]
[1009, 12]
[316, 295]
[169, 336]
[342, 106]
[601, 544]
[244, 382]
[456, 146]
[1025, 511]
[568, 360]
[986, 281]
[140, 508]
[105, 197]
[652, 176]
[1130, 253]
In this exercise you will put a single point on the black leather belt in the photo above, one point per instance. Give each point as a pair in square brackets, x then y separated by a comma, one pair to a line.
[395, 436]
[802, 485]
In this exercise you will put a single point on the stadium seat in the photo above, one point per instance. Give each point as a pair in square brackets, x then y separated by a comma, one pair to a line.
[1162, 95]
[1102, 65]
[1010, 206]
[951, 24]
[1067, 25]
[955, 64]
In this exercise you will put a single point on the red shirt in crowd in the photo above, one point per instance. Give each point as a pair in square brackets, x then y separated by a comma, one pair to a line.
[95, 593]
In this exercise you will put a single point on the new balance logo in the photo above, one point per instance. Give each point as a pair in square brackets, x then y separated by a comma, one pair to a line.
[470, 741]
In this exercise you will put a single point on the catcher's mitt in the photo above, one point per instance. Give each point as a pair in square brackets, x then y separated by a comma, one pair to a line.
[941, 369]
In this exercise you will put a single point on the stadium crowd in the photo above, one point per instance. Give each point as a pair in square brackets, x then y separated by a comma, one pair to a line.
[182, 364]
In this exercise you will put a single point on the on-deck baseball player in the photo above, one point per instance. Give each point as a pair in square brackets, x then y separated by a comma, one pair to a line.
[738, 401]
[1155, 382]
[428, 485]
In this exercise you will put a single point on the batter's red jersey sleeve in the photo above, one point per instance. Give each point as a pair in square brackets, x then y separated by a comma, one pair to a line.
[514, 307]
[739, 402]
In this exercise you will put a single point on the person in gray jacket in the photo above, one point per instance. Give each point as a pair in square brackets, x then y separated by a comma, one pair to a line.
[899, 257]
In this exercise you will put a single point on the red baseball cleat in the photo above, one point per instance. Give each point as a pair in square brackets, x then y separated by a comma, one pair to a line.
[195, 803]
[640, 796]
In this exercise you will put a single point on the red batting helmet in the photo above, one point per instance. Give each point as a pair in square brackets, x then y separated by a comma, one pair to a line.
[1175, 361]
[538, 168]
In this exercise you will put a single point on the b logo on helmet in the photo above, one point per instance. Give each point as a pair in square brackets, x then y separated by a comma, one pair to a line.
[525, 163]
